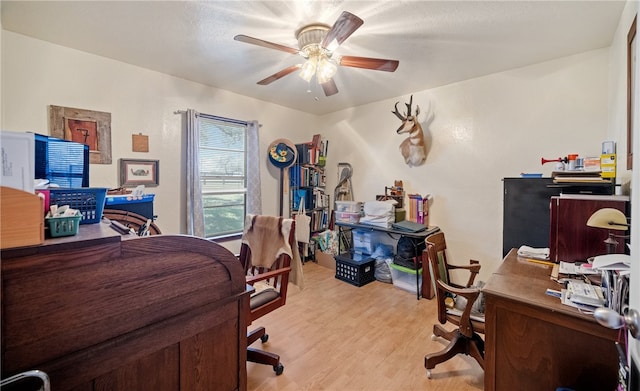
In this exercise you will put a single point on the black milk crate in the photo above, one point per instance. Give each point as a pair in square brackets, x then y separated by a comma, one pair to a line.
[88, 200]
[355, 272]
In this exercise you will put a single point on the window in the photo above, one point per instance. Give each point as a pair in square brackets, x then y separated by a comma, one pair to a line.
[223, 157]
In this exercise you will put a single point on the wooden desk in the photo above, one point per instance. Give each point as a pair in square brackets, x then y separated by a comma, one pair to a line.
[533, 342]
[94, 311]
[426, 290]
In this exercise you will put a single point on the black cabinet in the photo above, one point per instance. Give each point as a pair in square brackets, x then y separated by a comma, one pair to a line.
[526, 212]
[526, 209]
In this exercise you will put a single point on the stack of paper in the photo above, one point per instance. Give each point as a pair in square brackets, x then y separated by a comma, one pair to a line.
[612, 262]
[585, 297]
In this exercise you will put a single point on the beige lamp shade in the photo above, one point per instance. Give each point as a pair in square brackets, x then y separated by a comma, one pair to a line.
[608, 218]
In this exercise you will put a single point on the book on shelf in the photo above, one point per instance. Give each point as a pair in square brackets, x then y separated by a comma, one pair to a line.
[419, 208]
[306, 176]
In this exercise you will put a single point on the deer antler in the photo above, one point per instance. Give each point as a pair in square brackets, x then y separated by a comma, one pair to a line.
[409, 106]
[398, 114]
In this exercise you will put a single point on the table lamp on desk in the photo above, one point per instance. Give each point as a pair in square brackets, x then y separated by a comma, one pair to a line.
[610, 219]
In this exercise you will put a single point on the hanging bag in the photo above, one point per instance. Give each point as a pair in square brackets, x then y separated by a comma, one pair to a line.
[302, 224]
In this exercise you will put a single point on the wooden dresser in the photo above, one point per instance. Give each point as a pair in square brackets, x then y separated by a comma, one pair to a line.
[97, 312]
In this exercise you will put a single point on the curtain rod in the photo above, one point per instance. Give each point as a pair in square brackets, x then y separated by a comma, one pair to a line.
[215, 117]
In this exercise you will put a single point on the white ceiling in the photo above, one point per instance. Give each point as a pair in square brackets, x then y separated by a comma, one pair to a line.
[436, 42]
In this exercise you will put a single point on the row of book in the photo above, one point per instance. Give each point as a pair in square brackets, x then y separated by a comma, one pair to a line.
[418, 208]
[319, 220]
[313, 152]
[310, 198]
[306, 176]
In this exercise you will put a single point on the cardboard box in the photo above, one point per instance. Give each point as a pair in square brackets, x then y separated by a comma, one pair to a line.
[21, 218]
[325, 260]
[608, 165]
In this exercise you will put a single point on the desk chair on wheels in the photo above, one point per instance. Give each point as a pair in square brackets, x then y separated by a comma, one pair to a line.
[266, 254]
[466, 337]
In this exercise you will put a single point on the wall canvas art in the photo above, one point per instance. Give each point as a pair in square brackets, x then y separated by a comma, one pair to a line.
[92, 128]
[134, 172]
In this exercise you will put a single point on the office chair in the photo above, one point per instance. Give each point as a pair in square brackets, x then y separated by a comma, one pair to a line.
[466, 337]
[266, 253]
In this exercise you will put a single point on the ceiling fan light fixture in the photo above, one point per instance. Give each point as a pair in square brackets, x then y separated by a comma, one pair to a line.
[308, 69]
[310, 36]
[316, 44]
[325, 70]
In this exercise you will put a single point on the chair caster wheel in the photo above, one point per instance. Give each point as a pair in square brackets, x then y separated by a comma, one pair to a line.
[278, 369]
[264, 338]
[434, 337]
[429, 373]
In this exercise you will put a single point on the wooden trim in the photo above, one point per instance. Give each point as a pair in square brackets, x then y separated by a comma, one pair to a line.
[630, 89]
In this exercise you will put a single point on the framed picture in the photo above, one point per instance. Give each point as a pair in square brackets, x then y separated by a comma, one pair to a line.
[631, 81]
[134, 172]
[92, 128]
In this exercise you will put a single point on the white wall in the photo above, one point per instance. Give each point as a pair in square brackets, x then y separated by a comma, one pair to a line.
[36, 74]
[483, 130]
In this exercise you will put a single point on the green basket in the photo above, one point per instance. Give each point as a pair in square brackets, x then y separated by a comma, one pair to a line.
[63, 226]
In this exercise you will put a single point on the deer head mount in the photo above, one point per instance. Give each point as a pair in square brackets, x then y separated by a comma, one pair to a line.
[413, 148]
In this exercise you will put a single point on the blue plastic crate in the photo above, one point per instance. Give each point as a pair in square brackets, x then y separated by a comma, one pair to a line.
[142, 205]
[128, 199]
[88, 200]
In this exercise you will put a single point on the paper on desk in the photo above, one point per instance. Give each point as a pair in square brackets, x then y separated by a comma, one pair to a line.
[575, 268]
[612, 262]
[564, 299]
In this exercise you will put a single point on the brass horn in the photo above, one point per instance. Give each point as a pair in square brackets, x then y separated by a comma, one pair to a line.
[560, 159]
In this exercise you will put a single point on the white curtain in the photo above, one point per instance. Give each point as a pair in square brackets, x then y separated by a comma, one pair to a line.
[195, 212]
[254, 195]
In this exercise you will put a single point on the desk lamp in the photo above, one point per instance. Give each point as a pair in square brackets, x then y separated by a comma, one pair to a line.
[610, 219]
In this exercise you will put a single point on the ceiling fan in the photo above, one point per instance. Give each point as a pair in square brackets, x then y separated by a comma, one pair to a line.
[317, 43]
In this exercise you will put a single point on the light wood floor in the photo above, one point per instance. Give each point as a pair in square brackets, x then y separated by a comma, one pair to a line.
[335, 336]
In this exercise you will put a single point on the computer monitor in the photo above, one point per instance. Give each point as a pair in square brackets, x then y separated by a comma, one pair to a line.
[64, 163]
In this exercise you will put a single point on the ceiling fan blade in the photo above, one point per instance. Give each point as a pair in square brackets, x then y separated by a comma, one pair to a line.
[279, 75]
[329, 88]
[377, 64]
[266, 44]
[344, 26]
